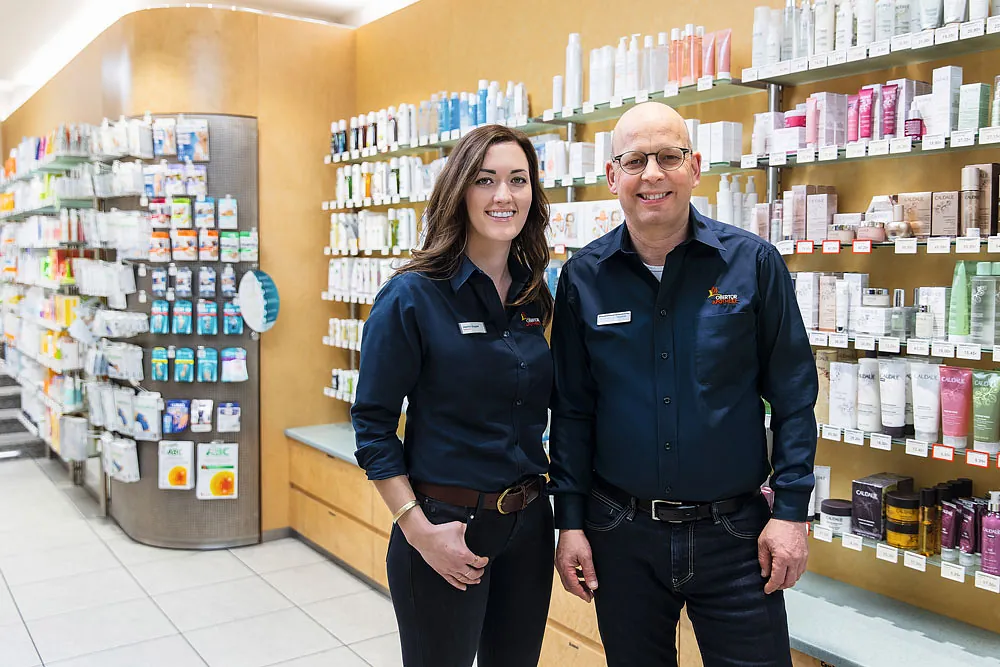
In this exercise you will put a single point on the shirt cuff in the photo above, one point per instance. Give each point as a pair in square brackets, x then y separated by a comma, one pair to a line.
[791, 506]
[571, 511]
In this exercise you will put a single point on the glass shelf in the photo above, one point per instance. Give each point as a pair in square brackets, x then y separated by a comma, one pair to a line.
[51, 209]
[918, 446]
[55, 164]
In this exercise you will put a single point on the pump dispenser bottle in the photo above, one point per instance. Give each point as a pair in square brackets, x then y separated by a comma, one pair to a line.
[621, 67]
[990, 538]
[750, 200]
[724, 201]
[737, 212]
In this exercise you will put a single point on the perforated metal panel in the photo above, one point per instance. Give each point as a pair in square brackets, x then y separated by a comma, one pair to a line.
[177, 518]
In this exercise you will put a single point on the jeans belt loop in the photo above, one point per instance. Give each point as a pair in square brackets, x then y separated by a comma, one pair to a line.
[716, 519]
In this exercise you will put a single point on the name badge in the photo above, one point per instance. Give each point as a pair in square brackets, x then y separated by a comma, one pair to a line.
[614, 318]
[471, 328]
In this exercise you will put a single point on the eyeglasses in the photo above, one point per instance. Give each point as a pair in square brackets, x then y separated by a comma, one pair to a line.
[668, 159]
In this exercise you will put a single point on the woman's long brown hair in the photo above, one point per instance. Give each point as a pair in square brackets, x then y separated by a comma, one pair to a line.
[447, 218]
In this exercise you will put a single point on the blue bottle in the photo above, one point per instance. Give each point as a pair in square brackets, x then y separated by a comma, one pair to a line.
[484, 87]
[444, 125]
[455, 113]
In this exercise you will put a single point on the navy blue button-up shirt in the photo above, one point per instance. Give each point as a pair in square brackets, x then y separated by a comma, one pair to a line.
[478, 377]
[658, 385]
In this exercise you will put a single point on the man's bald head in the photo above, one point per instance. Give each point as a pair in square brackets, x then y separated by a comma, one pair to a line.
[646, 119]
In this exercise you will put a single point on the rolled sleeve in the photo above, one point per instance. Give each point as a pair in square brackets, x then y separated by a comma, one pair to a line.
[789, 383]
[389, 368]
[574, 399]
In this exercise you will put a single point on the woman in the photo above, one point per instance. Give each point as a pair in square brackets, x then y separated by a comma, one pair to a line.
[459, 333]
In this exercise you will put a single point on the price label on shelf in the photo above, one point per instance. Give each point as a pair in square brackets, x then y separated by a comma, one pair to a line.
[963, 138]
[943, 453]
[901, 145]
[783, 68]
[852, 542]
[881, 441]
[567, 181]
[906, 246]
[434, 138]
[972, 29]
[786, 247]
[968, 245]
[829, 153]
[888, 344]
[887, 553]
[590, 178]
[705, 83]
[864, 342]
[988, 582]
[818, 339]
[800, 65]
[970, 351]
[548, 114]
[978, 459]
[946, 34]
[940, 348]
[993, 244]
[922, 40]
[396, 199]
[902, 42]
[915, 561]
[857, 53]
[327, 159]
[918, 346]
[989, 135]
[367, 201]
[550, 182]
[559, 249]
[749, 74]
[748, 162]
[837, 58]
[917, 448]
[879, 49]
[779, 159]
[804, 247]
[838, 340]
[878, 147]
[805, 156]
[589, 107]
[831, 247]
[823, 533]
[856, 149]
[831, 433]
[861, 247]
[933, 142]
[852, 436]
[993, 25]
[938, 246]
[377, 201]
[673, 89]
[643, 96]
[325, 206]
[953, 572]
[566, 112]
[818, 61]
[616, 102]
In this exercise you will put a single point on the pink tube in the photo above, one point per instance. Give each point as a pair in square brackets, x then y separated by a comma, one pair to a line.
[812, 122]
[890, 102]
[865, 111]
[956, 403]
[853, 102]
[708, 55]
[724, 42]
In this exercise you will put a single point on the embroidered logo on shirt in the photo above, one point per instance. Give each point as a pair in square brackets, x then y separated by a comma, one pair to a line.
[530, 321]
[722, 299]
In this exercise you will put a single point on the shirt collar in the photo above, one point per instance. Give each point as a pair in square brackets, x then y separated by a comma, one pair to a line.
[621, 242]
[518, 274]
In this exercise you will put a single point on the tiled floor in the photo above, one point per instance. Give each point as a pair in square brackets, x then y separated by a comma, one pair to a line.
[76, 592]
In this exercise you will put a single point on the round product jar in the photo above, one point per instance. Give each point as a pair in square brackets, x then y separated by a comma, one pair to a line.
[902, 535]
[873, 231]
[875, 296]
[835, 514]
[902, 507]
[842, 233]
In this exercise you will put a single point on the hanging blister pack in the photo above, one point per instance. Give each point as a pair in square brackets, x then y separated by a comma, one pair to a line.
[159, 213]
[159, 318]
[228, 216]
[227, 419]
[177, 416]
[183, 318]
[183, 282]
[160, 363]
[184, 365]
[196, 180]
[124, 416]
[201, 415]
[185, 245]
[249, 246]
[229, 247]
[164, 136]
[160, 282]
[229, 288]
[208, 364]
[159, 247]
[180, 213]
[208, 245]
[148, 420]
[204, 213]
[232, 319]
[208, 318]
[206, 282]
[234, 365]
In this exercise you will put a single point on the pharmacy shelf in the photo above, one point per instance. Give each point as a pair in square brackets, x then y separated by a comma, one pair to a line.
[354, 298]
[707, 90]
[948, 42]
[329, 343]
[330, 392]
[920, 449]
[54, 286]
[48, 401]
[42, 322]
[51, 209]
[394, 252]
[912, 346]
[54, 164]
[53, 364]
[965, 248]
[66, 245]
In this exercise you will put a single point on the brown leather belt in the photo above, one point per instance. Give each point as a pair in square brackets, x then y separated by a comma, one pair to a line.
[514, 499]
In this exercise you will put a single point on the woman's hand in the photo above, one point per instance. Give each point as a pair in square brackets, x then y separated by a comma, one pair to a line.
[443, 548]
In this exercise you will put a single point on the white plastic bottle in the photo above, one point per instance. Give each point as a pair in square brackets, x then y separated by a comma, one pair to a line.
[647, 72]
[775, 37]
[750, 200]
[595, 76]
[761, 27]
[621, 63]
[807, 31]
[661, 62]
[608, 58]
[632, 59]
[789, 30]
[845, 27]
[574, 72]
[825, 26]
[885, 20]
[724, 199]
[904, 14]
[866, 22]
[737, 211]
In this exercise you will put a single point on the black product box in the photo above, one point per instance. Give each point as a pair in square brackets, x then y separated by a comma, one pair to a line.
[868, 502]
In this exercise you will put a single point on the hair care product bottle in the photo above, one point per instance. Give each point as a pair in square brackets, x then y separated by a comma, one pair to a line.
[990, 539]
[790, 29]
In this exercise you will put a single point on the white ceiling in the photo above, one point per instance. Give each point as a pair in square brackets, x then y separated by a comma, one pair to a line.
[39, 37]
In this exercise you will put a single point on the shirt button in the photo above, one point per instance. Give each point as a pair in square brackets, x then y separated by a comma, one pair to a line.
[664, 355]
[666, 400]
[666, 446]
[663, 312]
[669, 490]
[524, 365]
[506, 333]
[519, 402]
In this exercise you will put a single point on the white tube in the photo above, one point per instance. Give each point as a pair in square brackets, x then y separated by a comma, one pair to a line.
[869, 405]
[930, 14]
[843, 301]
[843, 394]
[821, 490]
[926, 382]
[909, 395]
[979, 10]
[892, 396]
[954, 11]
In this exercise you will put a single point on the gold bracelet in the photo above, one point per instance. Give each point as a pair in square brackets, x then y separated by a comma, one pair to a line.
[404, 509]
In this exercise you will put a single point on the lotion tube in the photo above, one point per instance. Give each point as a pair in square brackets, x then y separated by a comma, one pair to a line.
[986, 411]
[956, 396]
[869, 403]
[925, 380]
[843, 395]
[892, 396]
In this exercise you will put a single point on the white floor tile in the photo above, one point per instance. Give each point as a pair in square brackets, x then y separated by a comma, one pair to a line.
[312, 583]
[16, 649]
[338, 657]
[381, 651]
[89, 631]
[8, 610]
[46, 536]
[166, 652]
[355, 618]
[198, 569]
[106, 528]
[202, 607]
[263, 640]
[130, 552]
[277, 555]
[48, 512]
[35, 566]
[76, 592]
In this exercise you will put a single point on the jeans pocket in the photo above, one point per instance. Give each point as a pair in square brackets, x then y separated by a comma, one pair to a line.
[438, 512]
[604, 513]
[747, 522]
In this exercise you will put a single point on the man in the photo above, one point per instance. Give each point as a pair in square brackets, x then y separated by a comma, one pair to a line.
[667, 332]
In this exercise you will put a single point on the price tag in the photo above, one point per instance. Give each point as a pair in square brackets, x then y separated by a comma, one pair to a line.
[590, 178]
[705, 83]
[424, 140]
[673, 89]
[878, 147]
[888, 344]
[818, 338]
[837, 58]
[805, 156]
[800, 65]
[779, 159]
[970, 351]
[917, 448]
[972, 29]
[749, 74]
[589, 107]
[394, 147]
[804, 248]
[838, 340]
[918, 346]
[616, 102]
[356, 154]
[887, 553]
[786, 247]
[933, 142]
[865, 342]
[881, 441]
[367, 201]
[993, 25]
[906, 246]
[915, 561]
[978, 459]
[642, 96]
[940, 348]
[856, 149]
[748, 162]
[854, 437]
[943, 453]
[963, 138]
[823, 533]
[550, 182]
[856, 53]
[988, 582]
[968, 246]
[947, 34]
[377, 201]
[989, 135]
[567, 112]
[548, 114]
[953, 572]
[996, 357]
[831, 247]
[879, 49]
[559, 249]
[828, 153]
[433, 138]
[396, 199]
[567, 181]
[327, 159]
[901, 145]
[922, 40]
[831, 433]
[818, 61]
[940, 245]
[783, 68]
[902, 42]
[142, 296]
[861, 247]
[852, 542]
[993, 244]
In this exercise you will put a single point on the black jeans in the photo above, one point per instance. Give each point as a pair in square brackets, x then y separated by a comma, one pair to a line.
[648, 570]
[502, 618]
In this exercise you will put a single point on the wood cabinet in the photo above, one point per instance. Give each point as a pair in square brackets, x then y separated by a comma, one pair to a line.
[562, 649]
[335, 482]
[341, 535]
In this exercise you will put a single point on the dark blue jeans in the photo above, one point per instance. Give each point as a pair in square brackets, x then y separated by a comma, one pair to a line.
[502, 618]
[648, 570]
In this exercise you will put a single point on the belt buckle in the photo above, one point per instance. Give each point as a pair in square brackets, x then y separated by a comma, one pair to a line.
[672, 504]
[519, 488]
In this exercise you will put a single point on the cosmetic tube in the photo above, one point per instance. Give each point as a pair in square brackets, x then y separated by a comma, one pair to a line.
[865, 13]
[843, 394]
[885, 20]
[956, 397]
[853, 103]
[986, 411]
[869, 404]
[843, 305]
[892, 396]
[708, 61]
[866, 108]
[968, 542]
[925, 381]
[930, 14]
[844, 38]
[890, 110]
[826, 14]
[958, 307]
[955, 11]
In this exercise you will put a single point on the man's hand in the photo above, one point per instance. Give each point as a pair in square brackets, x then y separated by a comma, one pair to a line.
[573, 556]
[782, 550]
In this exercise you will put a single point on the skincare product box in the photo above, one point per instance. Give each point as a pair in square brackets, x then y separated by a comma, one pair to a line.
[933, 122]
[917, 208]
[944, 214]
[218, 471]
[581, 158]
[936, 299]
[764, 127]
[820, 210]
[827, 303]
[788, 140]
[874, 320]
[989, 195]
[760, 224]
[832, 127]
[807, 296]
[555, 159]
[793, 224]
[176, 465]
[849, 219]
[868, 502]
[726, 141]
[946, 89]
[974, 106]
[602, 151]
[857, 283]
[703, 144]
[907, 90]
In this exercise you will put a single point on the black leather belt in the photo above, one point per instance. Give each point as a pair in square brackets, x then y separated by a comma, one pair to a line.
[674, 511]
